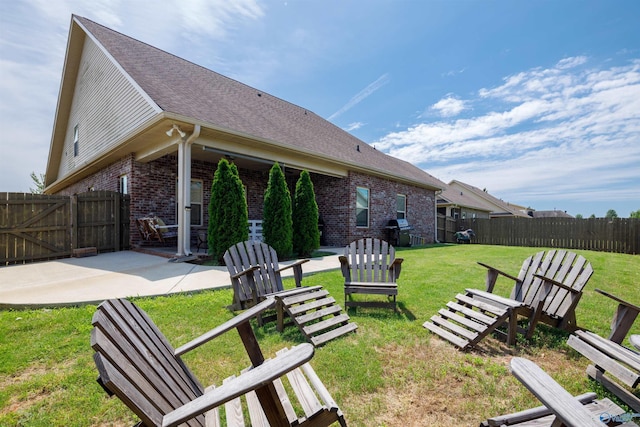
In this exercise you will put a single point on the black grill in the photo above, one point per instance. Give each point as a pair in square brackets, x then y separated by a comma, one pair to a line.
[399, 230]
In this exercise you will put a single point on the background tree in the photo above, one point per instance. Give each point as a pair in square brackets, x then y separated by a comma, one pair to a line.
[228, 216]
[611, 214]
[38, 181]
[635, 214]
[579, 216]
[277, 227]
[306, 237]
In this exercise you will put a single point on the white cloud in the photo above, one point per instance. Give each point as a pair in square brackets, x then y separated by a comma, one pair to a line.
[449, 106]
[568, 131]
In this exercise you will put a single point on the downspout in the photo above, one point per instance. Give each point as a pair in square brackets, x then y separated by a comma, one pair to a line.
[435, 216]
[184, 193]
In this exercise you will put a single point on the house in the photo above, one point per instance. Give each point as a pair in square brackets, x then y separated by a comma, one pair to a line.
[133, 118]
[464, 201]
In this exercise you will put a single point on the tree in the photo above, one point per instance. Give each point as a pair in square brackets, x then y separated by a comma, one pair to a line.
[306, 237]
[39, 182]
[277, 227]
[635, 214]
[579, 216]
[611, 214]
[228, 216]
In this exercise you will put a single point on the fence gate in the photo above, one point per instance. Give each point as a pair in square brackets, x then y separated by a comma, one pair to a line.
[37, 227]
[34, 226]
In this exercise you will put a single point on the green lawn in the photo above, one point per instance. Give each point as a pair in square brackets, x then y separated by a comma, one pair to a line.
[392, 372]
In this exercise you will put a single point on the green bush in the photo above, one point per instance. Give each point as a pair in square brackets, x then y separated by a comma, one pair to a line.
[277, 227]
[228, 216]
[306, 237]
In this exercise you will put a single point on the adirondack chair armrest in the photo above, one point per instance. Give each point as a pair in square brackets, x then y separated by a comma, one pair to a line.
[566, 407]
[293, 265]
[238, 320]
[502, 273]
[253, 379]
[556, 283]
[619, 300]
[396, 262]
[245, 272]
[344, 267]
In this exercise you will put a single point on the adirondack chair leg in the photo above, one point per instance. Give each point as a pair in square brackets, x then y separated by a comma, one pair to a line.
[492, 276]
[534, 319]
[280, 315]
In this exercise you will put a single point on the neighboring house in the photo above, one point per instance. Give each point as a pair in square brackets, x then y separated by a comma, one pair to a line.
[466, 200]
[459, 205]
[136, 119]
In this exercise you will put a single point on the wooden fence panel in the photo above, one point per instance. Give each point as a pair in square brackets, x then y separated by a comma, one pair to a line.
[621, 235]
[33, 226]
[38, 227]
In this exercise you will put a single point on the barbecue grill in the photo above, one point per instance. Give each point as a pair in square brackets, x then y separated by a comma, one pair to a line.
[399, 230]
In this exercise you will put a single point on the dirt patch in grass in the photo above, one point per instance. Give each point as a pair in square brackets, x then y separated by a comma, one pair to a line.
[22, 401]
[435, 384]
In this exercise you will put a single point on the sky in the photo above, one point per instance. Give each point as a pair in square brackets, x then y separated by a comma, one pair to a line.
[538, 102]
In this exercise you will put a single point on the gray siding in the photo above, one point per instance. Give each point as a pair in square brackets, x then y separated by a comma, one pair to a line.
[106, 106]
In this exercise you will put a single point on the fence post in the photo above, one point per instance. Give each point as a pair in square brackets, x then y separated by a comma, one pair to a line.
[73, 223]
[116, 225]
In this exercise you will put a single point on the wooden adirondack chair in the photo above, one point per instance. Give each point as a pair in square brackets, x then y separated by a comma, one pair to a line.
[369, 266]
[547, 289]
[560, 408]
[608, 356]
[137, 364]
[256, 274]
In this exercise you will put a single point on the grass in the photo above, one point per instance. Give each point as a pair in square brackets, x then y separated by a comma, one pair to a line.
[392, 372]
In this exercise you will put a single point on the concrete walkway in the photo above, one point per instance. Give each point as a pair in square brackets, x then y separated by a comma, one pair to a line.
[77, 281]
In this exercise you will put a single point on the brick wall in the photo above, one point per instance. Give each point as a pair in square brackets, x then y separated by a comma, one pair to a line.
[152, 187]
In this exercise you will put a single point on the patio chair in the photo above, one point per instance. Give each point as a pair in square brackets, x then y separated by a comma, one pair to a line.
[137, 364]
[560, 408]
[547, 289]
[613, 365]
[369, 266]
[154, 229]
[256, 274]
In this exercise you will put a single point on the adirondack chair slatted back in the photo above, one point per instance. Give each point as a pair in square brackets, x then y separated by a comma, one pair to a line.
[574, 274]
[560, 265]
[137, 363]
[369, 261]
[266, 278]
[526, 279]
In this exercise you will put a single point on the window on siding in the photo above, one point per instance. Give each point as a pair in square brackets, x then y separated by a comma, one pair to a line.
[401, 206]
[123, 184]
[362, 207]
[76, 141]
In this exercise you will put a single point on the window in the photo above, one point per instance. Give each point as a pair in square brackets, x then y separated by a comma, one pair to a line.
[196, 202]
[123, 184]
[401, 206]
[76, 139]
[362, 207]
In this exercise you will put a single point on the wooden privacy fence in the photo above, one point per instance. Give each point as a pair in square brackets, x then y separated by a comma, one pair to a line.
[36, 227]
[621, 235]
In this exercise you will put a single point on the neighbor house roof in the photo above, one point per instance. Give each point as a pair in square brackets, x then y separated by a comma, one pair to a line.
[455, 197]
[496, 206]
[201, 96]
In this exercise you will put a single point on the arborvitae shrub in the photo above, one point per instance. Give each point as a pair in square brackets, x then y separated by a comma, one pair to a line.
[228, 217]
[277, 228]
[306, 237]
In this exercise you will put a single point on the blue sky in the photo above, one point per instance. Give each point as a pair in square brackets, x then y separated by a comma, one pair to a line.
[538, 102]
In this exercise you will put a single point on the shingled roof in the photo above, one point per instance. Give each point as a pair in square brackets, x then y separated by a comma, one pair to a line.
[186, 89]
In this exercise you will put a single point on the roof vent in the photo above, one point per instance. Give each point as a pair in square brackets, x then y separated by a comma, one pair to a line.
[358, 148]
[259, 94]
